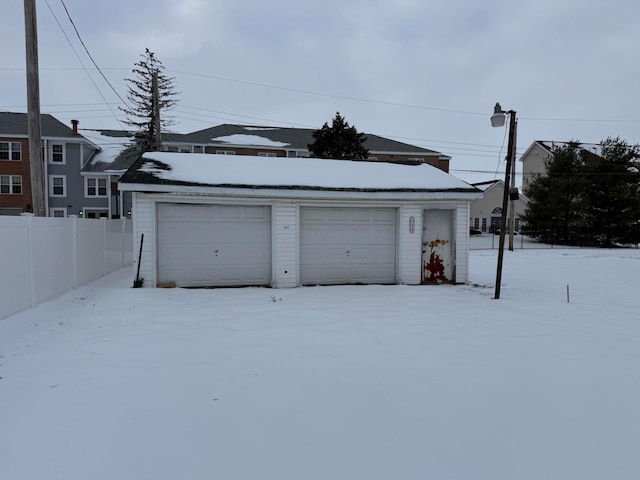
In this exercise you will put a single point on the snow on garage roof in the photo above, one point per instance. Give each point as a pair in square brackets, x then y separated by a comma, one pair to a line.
[164, 168]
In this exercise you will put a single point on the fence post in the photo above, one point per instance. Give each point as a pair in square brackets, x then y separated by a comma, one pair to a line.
[28, 222]
[74, 248]
[123, 230]
[104, 246]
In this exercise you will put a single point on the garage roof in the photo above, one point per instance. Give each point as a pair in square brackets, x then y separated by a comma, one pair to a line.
[171, 170]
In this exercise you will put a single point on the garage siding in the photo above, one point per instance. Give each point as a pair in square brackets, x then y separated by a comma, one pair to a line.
[410, 245]
[143, 210]
[285, 251]
[461, 253]
[288, 258]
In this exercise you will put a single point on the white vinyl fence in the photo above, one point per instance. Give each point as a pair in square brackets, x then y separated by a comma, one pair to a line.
[44, 257]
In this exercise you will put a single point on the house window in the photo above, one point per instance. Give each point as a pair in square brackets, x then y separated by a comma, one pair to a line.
[266, 154]
[57, 153]
[225, 152]
[11, 184]
[57, 185]
[416, 159]
[373, 159]
[198, 149]
[95, 213]
[58, 212]
[298, 154]
[10, 151]
[95, 187]
[484, 224]
[476, 223]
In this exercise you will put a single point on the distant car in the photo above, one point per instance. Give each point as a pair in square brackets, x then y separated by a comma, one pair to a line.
[475, 231]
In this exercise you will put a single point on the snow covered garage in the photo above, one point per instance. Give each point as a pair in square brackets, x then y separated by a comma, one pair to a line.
[222, 220]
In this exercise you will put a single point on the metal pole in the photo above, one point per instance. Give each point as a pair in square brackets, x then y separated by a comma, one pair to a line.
[33, 109]
[505, 199]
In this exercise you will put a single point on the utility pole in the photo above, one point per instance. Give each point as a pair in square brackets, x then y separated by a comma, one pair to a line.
[156, 110]
[33, 109]
[512, 221]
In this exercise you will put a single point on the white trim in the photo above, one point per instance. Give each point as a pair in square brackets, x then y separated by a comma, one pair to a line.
[97, 179]
[52, 211]
[50, 153]
[94, 209]
[11, 184]
[64, 186]
[10, 150]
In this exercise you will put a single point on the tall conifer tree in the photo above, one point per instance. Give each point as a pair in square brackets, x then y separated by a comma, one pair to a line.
[142, 109]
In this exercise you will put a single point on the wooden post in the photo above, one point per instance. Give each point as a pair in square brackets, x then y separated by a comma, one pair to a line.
[512, 204]
[156, 111]
[33, 109]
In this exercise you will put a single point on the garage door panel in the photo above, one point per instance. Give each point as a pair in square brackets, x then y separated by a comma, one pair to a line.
[347, 245]
[214, 245]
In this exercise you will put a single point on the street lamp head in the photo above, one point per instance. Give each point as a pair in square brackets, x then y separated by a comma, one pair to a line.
[498, 117]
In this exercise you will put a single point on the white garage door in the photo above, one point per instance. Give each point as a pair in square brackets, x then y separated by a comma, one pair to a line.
[347, 245]
[214, 245]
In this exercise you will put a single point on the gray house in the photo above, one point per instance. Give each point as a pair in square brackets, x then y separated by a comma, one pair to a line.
[104, 169]
[77, 178]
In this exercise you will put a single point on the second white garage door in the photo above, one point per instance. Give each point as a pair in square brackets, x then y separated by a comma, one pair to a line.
[347, 245]
[214, 245]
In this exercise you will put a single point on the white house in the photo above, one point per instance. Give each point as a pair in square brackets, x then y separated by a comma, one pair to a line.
[486, 211]
[220, 220]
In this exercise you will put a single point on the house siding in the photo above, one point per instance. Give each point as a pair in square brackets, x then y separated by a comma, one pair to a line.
[22, 168]
[484, 207]
[534, 162]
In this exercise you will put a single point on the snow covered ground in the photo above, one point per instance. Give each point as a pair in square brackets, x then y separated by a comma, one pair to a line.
[357, 382]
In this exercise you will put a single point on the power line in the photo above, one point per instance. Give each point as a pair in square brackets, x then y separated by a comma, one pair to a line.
[328, 95]
[319, 94]
[89, 54]
[80, 60]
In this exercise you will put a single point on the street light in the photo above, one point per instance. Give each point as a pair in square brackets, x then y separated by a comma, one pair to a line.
[498, 120]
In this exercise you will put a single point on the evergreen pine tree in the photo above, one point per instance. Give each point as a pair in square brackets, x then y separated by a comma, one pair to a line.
[557, 208]
[339, 141]
[614, 194]
[141, 108]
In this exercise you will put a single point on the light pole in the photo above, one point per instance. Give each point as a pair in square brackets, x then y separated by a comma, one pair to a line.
[498, 120]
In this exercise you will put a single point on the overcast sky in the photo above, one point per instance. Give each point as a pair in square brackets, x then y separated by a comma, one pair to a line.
[420, 71]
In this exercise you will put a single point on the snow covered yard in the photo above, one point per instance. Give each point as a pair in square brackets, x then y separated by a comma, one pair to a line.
[357, 382]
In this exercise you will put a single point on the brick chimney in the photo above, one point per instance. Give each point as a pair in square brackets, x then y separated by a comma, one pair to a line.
[74, 126]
